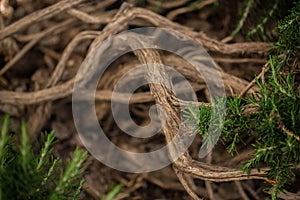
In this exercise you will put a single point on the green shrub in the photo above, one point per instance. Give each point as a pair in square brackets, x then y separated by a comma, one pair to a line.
[275, 116]
[28, 172]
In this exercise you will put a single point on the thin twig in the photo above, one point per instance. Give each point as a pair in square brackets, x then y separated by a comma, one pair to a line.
[241, 190]
[184, 183]
[169, 4]
[174, 13]
[260, 75]
[102, 18]
[56, 75]
[29, 45]
[250, 190]
[39, 15]
[288, 132]
[208, 184]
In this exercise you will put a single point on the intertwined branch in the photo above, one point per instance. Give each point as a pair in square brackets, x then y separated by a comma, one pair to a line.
[57, 86]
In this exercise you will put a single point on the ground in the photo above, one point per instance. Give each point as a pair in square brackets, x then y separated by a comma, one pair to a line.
[41, 53]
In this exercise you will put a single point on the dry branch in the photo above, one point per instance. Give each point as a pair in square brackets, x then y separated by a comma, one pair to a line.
[37, 16]
[185, 167]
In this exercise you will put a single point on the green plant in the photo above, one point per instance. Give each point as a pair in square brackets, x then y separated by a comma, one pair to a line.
[257, 18]
[288, 30]
[271, 115]
[275, 123]
[28, 172]
[113, 193]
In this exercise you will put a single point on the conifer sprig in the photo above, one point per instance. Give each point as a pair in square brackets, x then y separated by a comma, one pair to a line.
[275, 122]
[27, 172]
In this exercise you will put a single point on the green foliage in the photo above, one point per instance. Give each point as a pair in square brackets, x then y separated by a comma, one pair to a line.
[258, 17]
[194, 3]
[140, 2]
[113, 193]
[272, 115]
[33, 173]
[248, 5]
[260, 28]
[289, 30]
[275, 123]
[234, 123]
